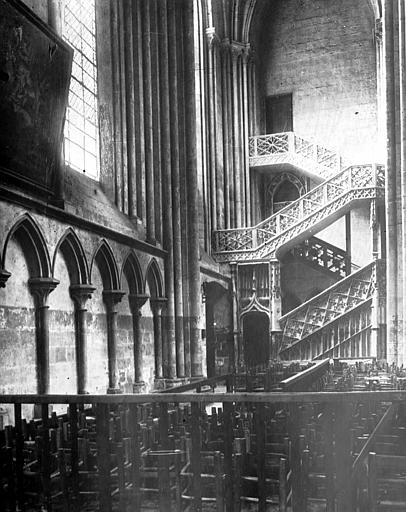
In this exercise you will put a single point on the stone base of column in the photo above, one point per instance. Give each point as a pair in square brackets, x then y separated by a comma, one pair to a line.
[139, 387]
[171, 383]
[114, 391]
[159, 384]
[197, 377]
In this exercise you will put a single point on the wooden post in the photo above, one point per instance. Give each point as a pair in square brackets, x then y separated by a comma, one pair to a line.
[294, 424]
[372, 483]
[283, 491]
[103, 456]
[328, 437]
[195, 461]
[260, 432]
[73, 424]
[343, 456]
[163, 426]
[135, 457]
[45, 460]
[19, 456]
[228, 409]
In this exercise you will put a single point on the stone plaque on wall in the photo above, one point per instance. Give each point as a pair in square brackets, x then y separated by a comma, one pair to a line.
[35, 67]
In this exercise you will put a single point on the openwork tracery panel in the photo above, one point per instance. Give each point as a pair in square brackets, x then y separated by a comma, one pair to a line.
[288, 147]
[329, 305]
[300, 217]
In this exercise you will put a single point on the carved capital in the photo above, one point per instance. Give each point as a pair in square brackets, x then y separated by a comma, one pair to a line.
[40, 288]
[157, 304]
[111, 298]
[246, 52]
[4, 275]
[80, 293]
[136, 303]
[378, 30]
[211, 36]
[236, 50]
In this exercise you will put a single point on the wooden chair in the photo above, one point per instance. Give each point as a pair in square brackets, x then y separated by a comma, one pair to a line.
[386, 482]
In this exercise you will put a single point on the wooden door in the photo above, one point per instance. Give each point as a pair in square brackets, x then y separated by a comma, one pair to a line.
[279, 114]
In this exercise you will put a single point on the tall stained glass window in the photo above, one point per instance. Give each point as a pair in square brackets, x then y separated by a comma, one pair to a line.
[81, 125]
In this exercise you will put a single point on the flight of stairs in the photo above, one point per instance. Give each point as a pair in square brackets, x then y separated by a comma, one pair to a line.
[302, 218]
[289, 233]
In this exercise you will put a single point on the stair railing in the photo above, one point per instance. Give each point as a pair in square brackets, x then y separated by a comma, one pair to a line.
[361, 182]
[276, 148]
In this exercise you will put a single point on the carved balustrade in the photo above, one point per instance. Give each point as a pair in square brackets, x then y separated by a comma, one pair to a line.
[288, 147]
[319, 253]
[343, 297]
[295, 222]
[348, 336]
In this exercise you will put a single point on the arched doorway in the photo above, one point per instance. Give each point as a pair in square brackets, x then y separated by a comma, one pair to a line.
[255, 327]
[282, 189]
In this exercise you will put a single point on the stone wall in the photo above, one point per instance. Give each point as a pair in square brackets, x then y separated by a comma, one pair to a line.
[323, 52]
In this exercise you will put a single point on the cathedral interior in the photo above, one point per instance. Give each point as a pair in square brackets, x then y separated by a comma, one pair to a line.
[203, 255]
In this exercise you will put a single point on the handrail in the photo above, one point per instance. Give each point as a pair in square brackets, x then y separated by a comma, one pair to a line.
[324, 255]
[383, 422]
[210, 381]
[291, 147]
[261, 397]
[328, 325]
[302, 379]
[327, 291]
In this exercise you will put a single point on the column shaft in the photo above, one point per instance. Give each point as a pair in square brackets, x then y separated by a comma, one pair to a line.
[80, 293]
[176, 219]
[391, 186]
[139, 111]
[130, 106]
[149, 157]
[236, 139]
[245, 124]
[115, 58]
[191, 166]
[212, 133]
[226, 135]
[40, 288]
[111, 299]
[170, 349]
[156, 120]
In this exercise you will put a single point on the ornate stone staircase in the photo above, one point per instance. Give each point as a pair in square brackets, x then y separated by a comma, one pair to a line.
[302, 218]
[314, 323]
[342, 320]
[323, 256]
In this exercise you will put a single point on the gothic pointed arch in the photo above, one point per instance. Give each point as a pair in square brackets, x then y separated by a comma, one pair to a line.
[154, 279]
[105, 260]
[132, 271]
[72, 250]
[282, 189]
[26, 231]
